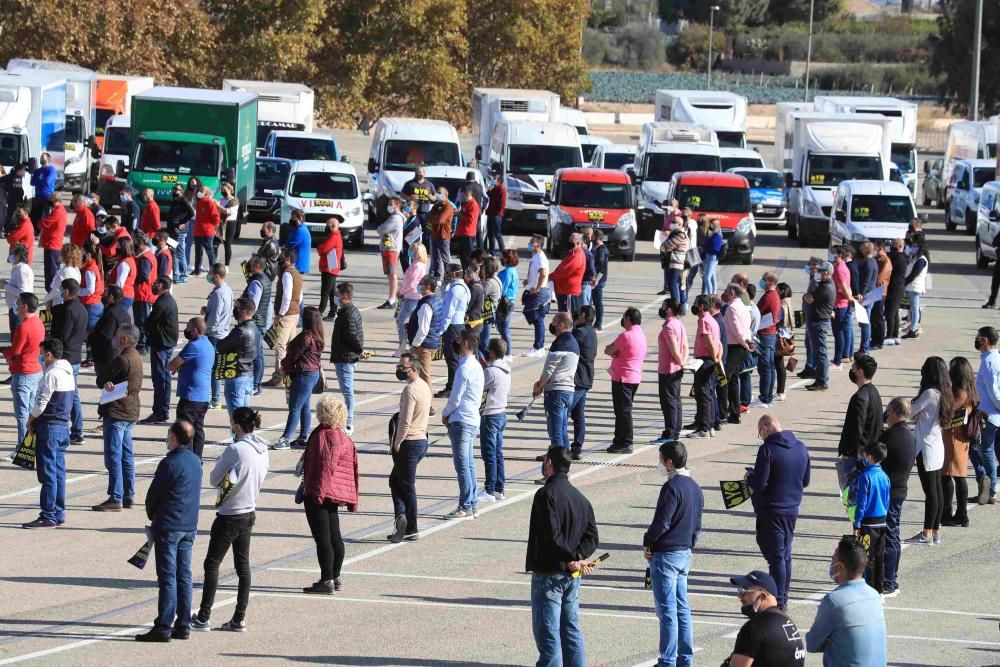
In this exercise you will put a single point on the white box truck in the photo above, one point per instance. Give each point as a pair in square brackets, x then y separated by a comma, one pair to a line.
[721, 111]
[902, 129]
[825, 150]
[665, 149]
[280, 106]
[32, 121]
[489, 104]
[967, 140]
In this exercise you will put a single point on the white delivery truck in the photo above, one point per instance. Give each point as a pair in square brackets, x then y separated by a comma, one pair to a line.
[117, 148]
[967, 140]
[527, 155]
[80, 143]
[280, 106]
[399, 146]
[902, 129]
[324, 189]
[718, 110]
[32, 121]
[489, 104]
[825, 150]
[665, 149]
[870, 210]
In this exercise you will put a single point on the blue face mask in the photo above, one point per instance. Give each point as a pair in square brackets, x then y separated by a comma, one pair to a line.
[208, 279]
[761, 284]
[531, 246]
[10, 259]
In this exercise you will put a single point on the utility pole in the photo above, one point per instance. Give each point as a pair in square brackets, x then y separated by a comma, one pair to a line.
[977, 47]
[809, 48]
[711, 31]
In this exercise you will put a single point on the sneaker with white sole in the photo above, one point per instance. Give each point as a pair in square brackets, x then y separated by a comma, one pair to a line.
[499, 496]
[779, 397]
[200, 625]
[458, 513]
[280, 443]
[349, 430]
[920, 538]
[891, 594]
[234, 626]
[487, 497]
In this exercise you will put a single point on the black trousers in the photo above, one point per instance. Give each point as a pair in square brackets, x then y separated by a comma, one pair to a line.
[930, 482]
[878, 322]
[451, 334]
[194, 412]
[774, 539]
[954, 488]
[781, 373]
[232, 530]
[328, 293]
[892, 302]
[729, 400]
[466, 244]
[403, 480]
[873, 539]
[622, 397]
[324, 524]
[51, 265]
[38, 206]
[994, 283]
[670, 403]
[704, 416]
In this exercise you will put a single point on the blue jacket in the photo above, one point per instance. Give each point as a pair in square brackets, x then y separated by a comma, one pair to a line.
[432, 340]
[779, 475]
[300, 238]
[175, 493]
[871, 490]
[676, 522]
[43, 180]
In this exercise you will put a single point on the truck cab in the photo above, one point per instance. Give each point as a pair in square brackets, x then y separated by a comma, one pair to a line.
[324, 189]
[32, 121]
[967, 180]
[967, 140]
[870, 210]
[300, 145]
[596, 198]
[117, 136]
[767, 193]
[280, 106]
[723, 196]
[723, 112]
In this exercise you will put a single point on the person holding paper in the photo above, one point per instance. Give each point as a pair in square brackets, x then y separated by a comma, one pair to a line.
[767, 336]
[867, 276]
[331, 262]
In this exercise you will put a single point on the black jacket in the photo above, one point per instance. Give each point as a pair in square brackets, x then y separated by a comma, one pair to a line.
[268, 251]
[179, 213]
[99, 338]
[69, 324]
[863, 422]
[242, 340]
[161, 325]
[897, 281]
[348, 339]
[824, 296]
[562, 527]
[586, 338]
[130, 216]
[901, 453]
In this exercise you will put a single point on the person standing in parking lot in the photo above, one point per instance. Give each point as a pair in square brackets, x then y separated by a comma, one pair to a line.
[568, 276]
[420, 193]
[206, 219]
[494, 214]
[43, 180]
[819, 299]
[300, 240]
[180, 216]
[53, 234]
[535, 296]
[467, 231]
[894, 292]
[331, 263]
[439, 219]
[627, 352]
[390, 234]
[602, 257]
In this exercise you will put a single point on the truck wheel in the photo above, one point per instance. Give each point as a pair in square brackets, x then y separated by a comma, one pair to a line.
[746, 259]
[948, 224]
[970, 222]
[981, 260]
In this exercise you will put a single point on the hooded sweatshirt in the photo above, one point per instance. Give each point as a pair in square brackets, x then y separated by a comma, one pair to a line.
[779, 475]
[246, 462]
[497, 385]
[55, 394]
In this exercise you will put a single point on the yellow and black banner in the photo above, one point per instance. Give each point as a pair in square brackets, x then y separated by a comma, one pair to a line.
[226, 366]
[24, 456]
[734, 493]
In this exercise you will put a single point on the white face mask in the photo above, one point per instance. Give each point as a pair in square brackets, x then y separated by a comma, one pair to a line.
[199, 195]
[391, 210]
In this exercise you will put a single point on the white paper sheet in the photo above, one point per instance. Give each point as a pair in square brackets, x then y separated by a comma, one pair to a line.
[766, 321]
[693, 364]
[872, 297]
[119, 391]
[860, 314]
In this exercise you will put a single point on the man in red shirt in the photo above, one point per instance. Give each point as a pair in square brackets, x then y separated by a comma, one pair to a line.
[145, 276]
[331, 262]
[468, 226]
[113, 231]
[149, 222]
[568, 276]
[494, 214]
[206, 220]
[22, 231]
[22, 357]
[769, 306]
[84, 223]
[53, 226]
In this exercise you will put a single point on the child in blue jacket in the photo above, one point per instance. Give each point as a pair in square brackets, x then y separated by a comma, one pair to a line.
[871, 490]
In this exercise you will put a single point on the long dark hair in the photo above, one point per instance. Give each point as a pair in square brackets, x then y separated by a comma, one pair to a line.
[934, 375]
[962, 380]
[312, 323]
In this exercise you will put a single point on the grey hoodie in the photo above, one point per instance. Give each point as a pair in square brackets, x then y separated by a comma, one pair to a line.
[497, 386]
[247, 459]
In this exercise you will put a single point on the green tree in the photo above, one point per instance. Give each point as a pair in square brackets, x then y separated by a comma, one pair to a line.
[690, 49]
[783, 11]
[731, 15]
[952, 55]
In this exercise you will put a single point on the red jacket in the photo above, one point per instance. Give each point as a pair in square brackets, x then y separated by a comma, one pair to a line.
[25, 235]
[128, 289]
[90, 266]
[150, 220]
[498, 199]
[468, 219]
[83, 226]
[331, 467]
[53, 228]
[111, 250]
[144, 289]
[22, 355]
[568, 276]
[334, 243]
[206, 217]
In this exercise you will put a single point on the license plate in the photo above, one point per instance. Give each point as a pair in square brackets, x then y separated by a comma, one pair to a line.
[258, 202]
[769, 211]
[316, 226]
[541, 216]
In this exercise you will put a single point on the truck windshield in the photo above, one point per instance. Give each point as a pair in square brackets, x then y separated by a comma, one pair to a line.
[177, 157]
[304, 148]
[616, 160]
[829, 170]
[733, 162]
[991, 151]
[904, 156]
[588, 151]
[762, 179]
[102, 120]
[730, 139]
[403, 155]
[118, 141]
[319, 185]
[10, 149]
[594, 195]
[983, 175]
[880, 208]
[74, 129]
[271, 175]
[662, 166]
[546, 160]
[713, 199]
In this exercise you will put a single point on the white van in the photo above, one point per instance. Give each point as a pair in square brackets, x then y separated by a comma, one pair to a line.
[968, 140]
[613, 156]
[324, 189]
[117, 148]
[300, 145]
[967, 180]
[740, 158]
[867, 210]
[988, 225]
[589, 143]
[719, 110]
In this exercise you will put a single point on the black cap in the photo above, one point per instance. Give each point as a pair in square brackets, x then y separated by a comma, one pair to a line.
[757, 578]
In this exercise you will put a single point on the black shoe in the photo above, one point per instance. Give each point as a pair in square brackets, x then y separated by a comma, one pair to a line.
[955, 523]
[733, 419]
[540, 457]
[7, 380]
[717, 428]
[299, 443]
[987, 305]
[397, 535]
[127, 503]
[618, 450]
[152, 636]
[912, 334]
[444, 393]
[387, 306]
[257, 391]
[690, 427]
[577, 453]
[320, 588]
[40, 523]
[180, 634]
[329, 318]
[806, 375]
[153, 419]
[817, 386]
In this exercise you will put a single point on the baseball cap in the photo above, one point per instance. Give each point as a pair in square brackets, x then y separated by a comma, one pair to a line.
[825, 266]
[757, 578]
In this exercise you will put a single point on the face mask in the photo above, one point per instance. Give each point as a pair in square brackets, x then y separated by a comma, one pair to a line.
[10, 260]
[236, 314]
[208, 278]
[116, 344]
[552, 329]
[262, 234]
[531, 246]
[456, 347]
[440, 197]
[911, 251]
[663, 469]
[391, 210]
[123, 198]
[102, 230]
[662, 313]
[187, 335]
[402, 374]
[852, 376]
[748, 610]
[975, 343]
[622, 322]
[833, 577]
[761, 284]
[199, 195]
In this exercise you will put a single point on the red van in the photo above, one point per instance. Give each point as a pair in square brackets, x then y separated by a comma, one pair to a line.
[595, 198]
[726, 197]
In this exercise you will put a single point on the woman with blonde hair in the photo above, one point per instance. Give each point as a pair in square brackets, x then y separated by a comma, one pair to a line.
[229, 211]
[409, 292]
[70, 260]
[713, 249]
[329, 468]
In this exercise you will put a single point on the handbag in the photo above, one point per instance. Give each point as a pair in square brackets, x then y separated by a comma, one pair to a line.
[791, 364]
[786, 346]
[320, 385]
[974, 427]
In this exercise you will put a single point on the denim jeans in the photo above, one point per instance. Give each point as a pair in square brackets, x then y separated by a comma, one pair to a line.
[24, 389]
[461, 436]
[491, 429]
[159, 357]
[299, 414]
[127, 305]
[818, 332]
[50, 467]
[578, 413]
[598, 296]
[76, 412]
[503, 330]
[238, 393]
[672, 282]
[119, 459]
[484, 339]
[765, 366]
[173, 574]
[986, 462]
[181, 255]
[709, 269]
[258, 362]
[567, 303]
[13, 321]
[866, 333]
[914, 310]
[216, 384]
[669, 573]
[557, 405]
[536, 306]
[406, 308]
[587, 294]
[893, 549]
[204, 244]
[140, 313]
[843, 333]
[555, 620]
[494, 233]
[345, 378]
[94, 312]
[689, 281]
[403, 478]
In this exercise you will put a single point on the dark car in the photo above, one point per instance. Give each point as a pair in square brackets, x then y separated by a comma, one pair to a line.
[272, 178]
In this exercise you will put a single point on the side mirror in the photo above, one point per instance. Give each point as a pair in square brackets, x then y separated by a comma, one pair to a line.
[120, 169]
[32, 163]
[372, 165]
[789, 182]
[479, 152]
[346, 159]
[840, 216]
[261, 152]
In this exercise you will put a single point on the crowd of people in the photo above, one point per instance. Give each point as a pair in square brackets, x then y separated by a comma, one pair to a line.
[109, 290]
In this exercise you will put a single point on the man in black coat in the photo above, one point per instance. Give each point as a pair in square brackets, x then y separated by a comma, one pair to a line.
[69, 325]
[161, 336]
[901, 454]
[894, 292]
[863, 421]
[347, 344]
[99, 340]
[11, 192]
[586, 338]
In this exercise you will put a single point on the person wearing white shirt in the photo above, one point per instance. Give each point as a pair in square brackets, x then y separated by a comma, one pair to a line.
[536, 294]
[931, 409]
[70, 259]
[22, 279]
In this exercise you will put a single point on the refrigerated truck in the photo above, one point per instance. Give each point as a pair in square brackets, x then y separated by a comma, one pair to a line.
[967, 140]
[178, 133]
[32, 121]
[114, 97]
[490, 105]
[723, 112]
[280, 106]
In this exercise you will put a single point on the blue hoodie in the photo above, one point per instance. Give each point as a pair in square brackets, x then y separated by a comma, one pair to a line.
[871, 489]
[779, 475]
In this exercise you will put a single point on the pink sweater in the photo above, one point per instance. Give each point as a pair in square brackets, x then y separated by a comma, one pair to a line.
[411, 281]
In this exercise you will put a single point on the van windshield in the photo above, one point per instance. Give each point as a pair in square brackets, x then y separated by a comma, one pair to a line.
[408, 155]
[176, 157]
[983, 175]
[594, 195]
[319, 185]
[74, 129]
[545, 160]
[10, 149]
[616, 160]
[830, 170]
[904, 156]
[734, 162]
[713, 199]
[881, 208]
[662, 166]
[271, 175]
[118, 141]
[304, 148]
[730, 139]
[588, 151]
[762, 179]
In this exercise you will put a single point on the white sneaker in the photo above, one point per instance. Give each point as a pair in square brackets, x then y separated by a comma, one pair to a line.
[539, 353]
[487, 497]
[9, 458]
[528, 353]
[509, 359]
[349, 430]
[499, 496]
[893, 594]
[779, 397]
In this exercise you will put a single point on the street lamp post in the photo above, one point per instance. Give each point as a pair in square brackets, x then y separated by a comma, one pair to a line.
[711, 30]
[809, 48]
[977, 47]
